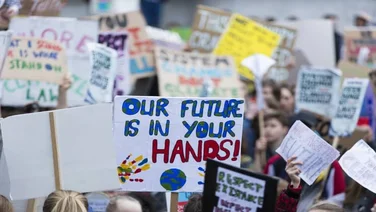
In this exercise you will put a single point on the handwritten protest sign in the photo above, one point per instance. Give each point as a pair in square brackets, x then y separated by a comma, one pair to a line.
[360, 164]
[5, 39]
[309, 148]
[284, 51]
[183, 74]
[37, 147]
[165, 38]
[228, 188]
[358, 38]
[317, 90]
[35, 59]
[118, 41]
[244, 38]
[208, 26]
[140, 46]
[103, 61]
[173, 141]
[350, 104]
[64, 30]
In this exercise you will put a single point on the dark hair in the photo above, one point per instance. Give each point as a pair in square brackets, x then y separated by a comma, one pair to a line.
[194, 203]
[290, 88]
[327, 206]
[275, 88]
[281, 117]
[146, 200]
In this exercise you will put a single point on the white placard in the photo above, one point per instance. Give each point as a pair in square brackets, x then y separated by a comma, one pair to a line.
[97, 202]
[86, 157]
[104, 66]
[5, 39]
[317, 90]
[309, 148]
[64, 30]
[360, 164]
[162, 143]
[349, 107]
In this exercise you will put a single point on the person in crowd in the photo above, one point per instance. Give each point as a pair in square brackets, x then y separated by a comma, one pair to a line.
[275, 129]
[124, 204]
[147, 201]
[338, 38]
[358, 198]
[194, 203]
[362, 19]
[289, 199]
[5, 205]
[287, 99]
[270, 90]
[13, 7]
[65, 201]
[152, 11]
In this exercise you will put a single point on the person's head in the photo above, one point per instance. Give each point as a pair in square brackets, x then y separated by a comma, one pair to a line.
[270, 89]
[287, 98]
[194, 204]
[65, 201]
[326, 207]
[146, 200]
[362, 19]
[124, 204]
[5, 205]
[276, 126]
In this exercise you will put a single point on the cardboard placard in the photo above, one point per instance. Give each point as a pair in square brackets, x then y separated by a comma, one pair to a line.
[284, 51]
[208, 26]
[139, 44]
[186, 76]
[244, 38]
[165, 38]
[79, 170]
[163, 143]
[317, 90]
[357, 38]
[5, 39]
[104, 65]
[228, 188]
[35, 59]
[63, 30]
[118, 42]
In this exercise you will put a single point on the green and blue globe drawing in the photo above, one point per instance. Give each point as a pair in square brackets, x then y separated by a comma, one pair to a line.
[173, 179]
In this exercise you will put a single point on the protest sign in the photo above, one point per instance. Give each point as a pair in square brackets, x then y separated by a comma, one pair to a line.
[5, 39]
[118, 41]
[317, 90]
[284, 51]
[311, 34]
[309, 148]
[140, 46]
[243, 38]
[208, 25]
[97, 202]
[165, 38]
[56, 141]
[103, 61]
[183, 74]
[360, 164]
[163, 143]
[228, 188]
[357, 39]
[350, 104]
[35, 59]
[74, 41]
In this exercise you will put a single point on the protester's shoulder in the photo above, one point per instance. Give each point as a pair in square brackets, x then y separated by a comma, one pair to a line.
[274, 159]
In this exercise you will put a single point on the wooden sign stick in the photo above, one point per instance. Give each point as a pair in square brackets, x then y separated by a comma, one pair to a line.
[31, 205]
[174, 202]
[55, 152]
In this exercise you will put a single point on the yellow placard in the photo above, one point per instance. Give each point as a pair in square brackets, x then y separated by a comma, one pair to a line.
[244, 38]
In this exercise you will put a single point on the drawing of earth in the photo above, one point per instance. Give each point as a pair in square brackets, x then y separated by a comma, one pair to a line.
[173, 179]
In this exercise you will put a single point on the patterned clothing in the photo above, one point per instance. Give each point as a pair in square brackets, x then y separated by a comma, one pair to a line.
[288, 200]
[10, 3]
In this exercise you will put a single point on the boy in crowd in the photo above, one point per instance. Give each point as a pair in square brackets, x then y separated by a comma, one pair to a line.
[275, 129]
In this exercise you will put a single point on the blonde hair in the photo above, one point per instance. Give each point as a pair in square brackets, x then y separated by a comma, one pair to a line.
[5, 205]
[65, 201]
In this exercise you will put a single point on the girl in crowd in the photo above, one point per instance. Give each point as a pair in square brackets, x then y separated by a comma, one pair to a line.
[5, 205]
[65, 201]
[287, 99]
[289, 198]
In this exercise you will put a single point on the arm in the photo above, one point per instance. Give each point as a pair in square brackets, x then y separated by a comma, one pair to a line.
[260, 155]
[63, 89]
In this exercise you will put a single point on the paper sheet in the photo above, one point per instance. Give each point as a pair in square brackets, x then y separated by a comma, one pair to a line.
[360, 164]
[309, 148]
